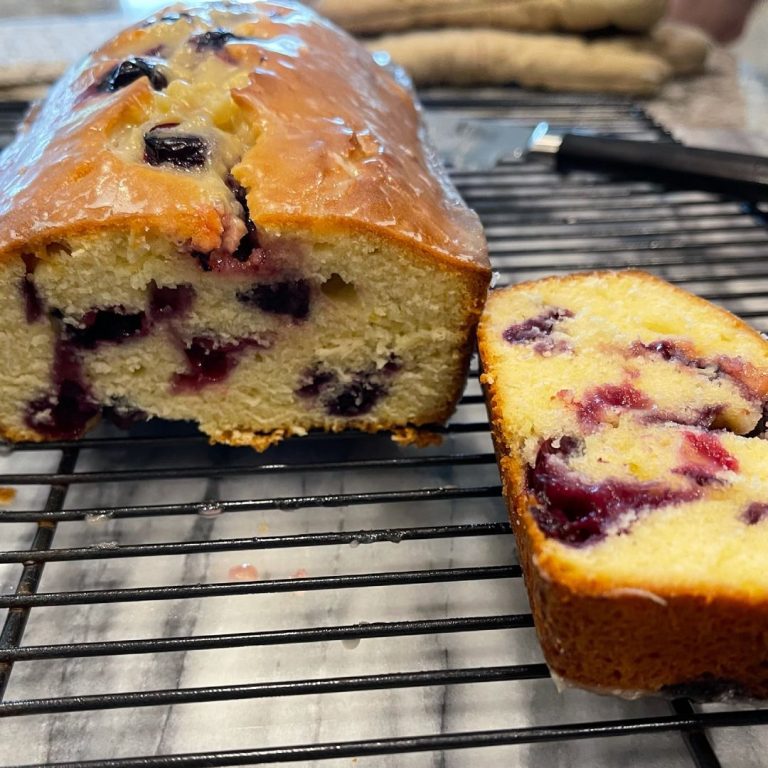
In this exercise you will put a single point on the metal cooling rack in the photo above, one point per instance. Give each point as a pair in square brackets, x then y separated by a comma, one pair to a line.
[159, 492]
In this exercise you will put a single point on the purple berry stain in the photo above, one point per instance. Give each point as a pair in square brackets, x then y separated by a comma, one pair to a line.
[166, 302]
[622, 397]
[210, 361]
[181, 150]
[290, 297]
[106, 326]
[755, 513]
[707, 448]
[64, 413]
[752, 381]
[350, 395]
[577, 511]
[537, 330]
[33, 305]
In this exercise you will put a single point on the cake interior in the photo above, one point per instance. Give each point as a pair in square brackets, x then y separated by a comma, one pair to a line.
[348, 331]
[638, 413]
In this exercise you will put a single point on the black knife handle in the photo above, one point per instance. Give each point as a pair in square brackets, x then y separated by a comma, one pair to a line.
[741, 176]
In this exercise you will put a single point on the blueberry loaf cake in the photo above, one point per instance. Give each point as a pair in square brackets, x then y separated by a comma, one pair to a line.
[230, 214]
[627, 417]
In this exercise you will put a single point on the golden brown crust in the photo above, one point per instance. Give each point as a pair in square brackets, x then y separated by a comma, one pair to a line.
[340, 144]
[628, 642]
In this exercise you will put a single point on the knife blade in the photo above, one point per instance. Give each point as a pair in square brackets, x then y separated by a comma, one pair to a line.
[479, 144]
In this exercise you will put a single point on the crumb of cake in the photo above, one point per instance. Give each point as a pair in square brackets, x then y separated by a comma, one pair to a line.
[243, 572]
[421, 437]
[7, 495]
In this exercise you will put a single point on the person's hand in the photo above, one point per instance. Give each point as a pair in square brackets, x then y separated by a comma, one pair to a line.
[723, 19]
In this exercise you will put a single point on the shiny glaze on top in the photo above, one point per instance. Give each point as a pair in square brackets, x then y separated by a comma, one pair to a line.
[318, 133]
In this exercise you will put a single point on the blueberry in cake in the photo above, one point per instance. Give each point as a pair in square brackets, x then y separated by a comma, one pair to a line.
[627, 416]
[230, 214]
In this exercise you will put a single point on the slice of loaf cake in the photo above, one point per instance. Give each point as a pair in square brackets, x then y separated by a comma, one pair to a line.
[229, 214]
[627, 416]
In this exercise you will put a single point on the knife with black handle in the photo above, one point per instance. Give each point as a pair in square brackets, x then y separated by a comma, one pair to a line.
[675, 165]
[478, 144]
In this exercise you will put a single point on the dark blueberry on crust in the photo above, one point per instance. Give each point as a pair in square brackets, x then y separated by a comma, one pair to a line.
[169, 301]
[291, 297]
[33, 305]
[64, 413]
[110, 326]
[182, 150]
[249, 241]
[576, 510]
[130, 70]
[214, 40]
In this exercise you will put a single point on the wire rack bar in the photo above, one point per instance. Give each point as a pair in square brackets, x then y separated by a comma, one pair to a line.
[112, 476]
[278, 637]
[330, 538]
[286, 503]
[468, 740]
[350, 684]
[262, 587]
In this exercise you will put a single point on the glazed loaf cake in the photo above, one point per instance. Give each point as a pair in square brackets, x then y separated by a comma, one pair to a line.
[626, 417]
[229, 214]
